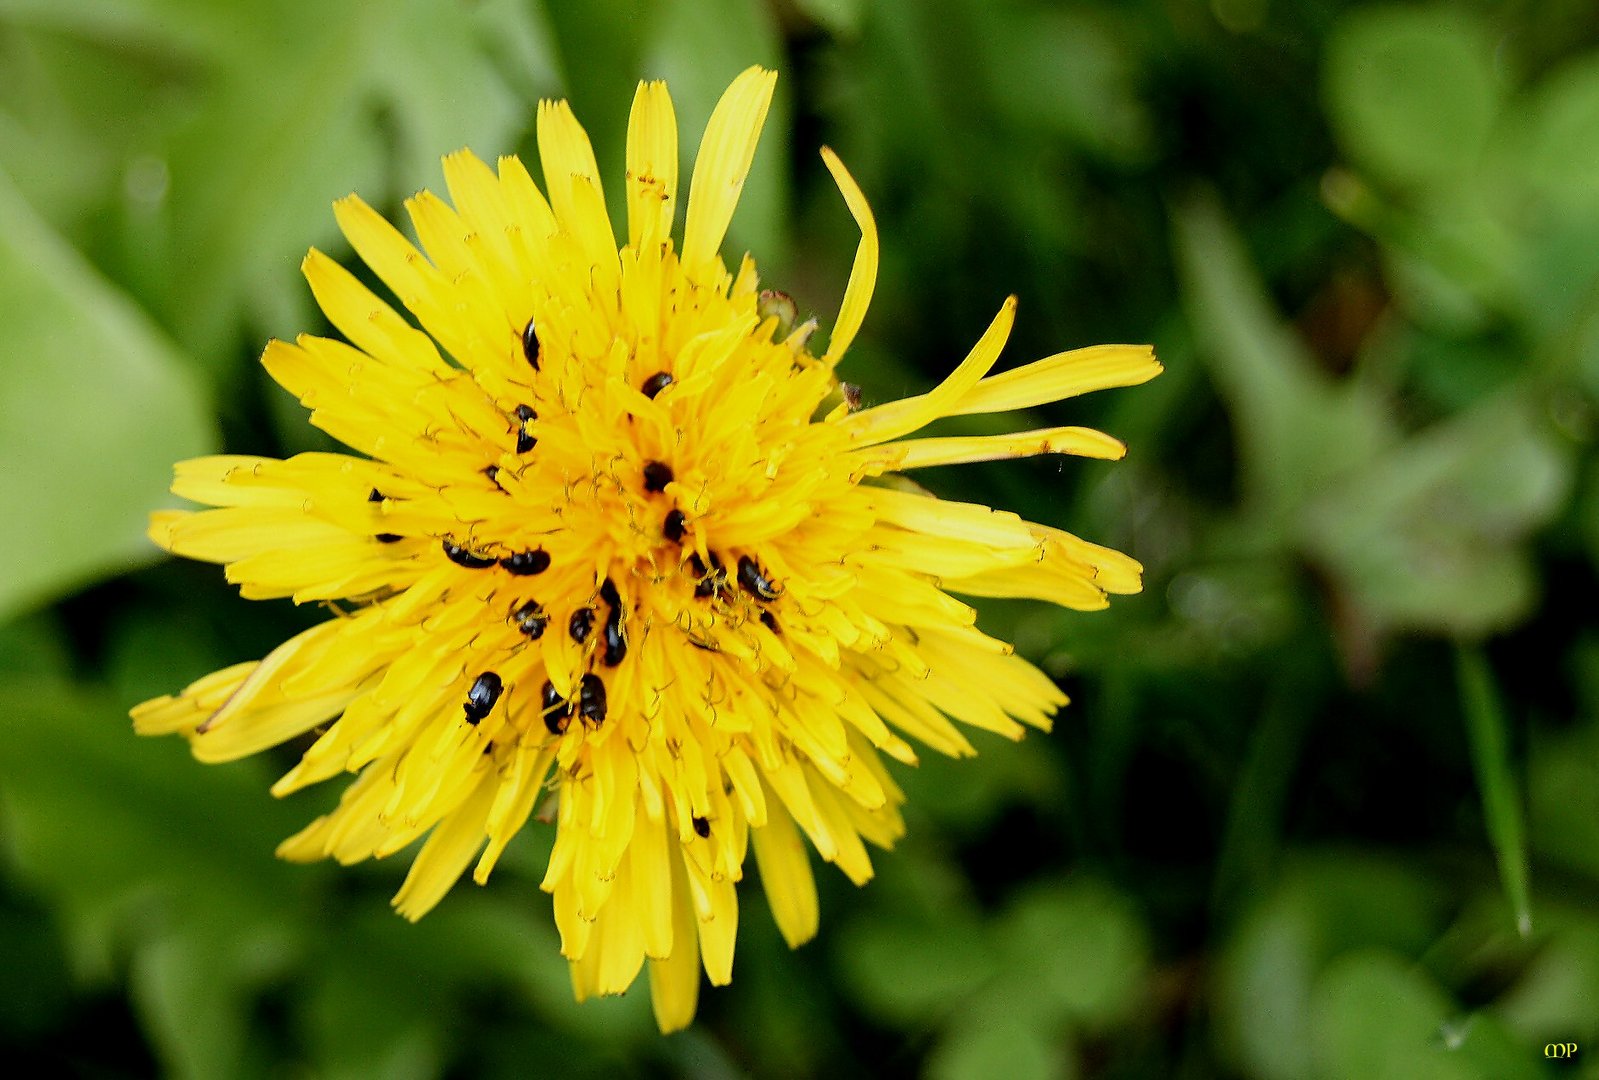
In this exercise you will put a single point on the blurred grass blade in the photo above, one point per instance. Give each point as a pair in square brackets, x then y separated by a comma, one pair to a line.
[1501, 804]
[1297, 428]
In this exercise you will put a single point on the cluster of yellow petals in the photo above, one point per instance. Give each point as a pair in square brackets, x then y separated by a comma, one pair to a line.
[620, 549]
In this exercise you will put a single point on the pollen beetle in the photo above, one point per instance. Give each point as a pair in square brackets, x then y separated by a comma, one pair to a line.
[674, 528]
[591, 700]
[530, 344]
[656, 383]
[460, 556]
[481, 697]
[657, 474]
[753, 580]
[557, 710]
[527, 562]
[524, 441]
[581, 623]
[531, 619]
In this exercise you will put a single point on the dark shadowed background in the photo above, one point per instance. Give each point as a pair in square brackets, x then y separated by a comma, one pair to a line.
[1315, 779]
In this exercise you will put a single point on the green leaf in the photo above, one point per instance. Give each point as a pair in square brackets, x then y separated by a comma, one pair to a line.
[95, 406]
[1555, 140]
[1432, 535]
[1074, 950]
[1262, 988]
[1490, 756]
[68, 138]
[841, 17]
[1563, 789]
[194, 988]
[1553, 997]
[1411, 92]
[1297, 429]
[1379, 1018]
[988, 1042]
[909, 971]
[323, 101]
[35, 983]
[34, 647]
[1069, 73]
[100, 819]
[1326, 904]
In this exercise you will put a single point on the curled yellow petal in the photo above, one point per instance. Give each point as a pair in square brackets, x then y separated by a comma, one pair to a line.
[863, 273]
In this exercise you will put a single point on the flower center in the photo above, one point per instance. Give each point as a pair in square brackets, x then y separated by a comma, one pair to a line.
[647, 486]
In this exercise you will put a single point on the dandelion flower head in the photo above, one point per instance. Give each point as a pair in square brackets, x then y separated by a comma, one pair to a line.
[617, 549]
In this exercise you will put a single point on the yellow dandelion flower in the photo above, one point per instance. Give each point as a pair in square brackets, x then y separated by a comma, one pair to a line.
[618, 540]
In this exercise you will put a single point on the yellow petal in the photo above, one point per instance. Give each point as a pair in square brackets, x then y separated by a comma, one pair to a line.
[785, 867]
[1033, 582]
[1061, 376]
[369, 323]
[569, 167]
[969, 522]
[675, 981]
[185, 711]
[961, 449]
[447, 853]
[651, 165]
[896, 418]
[723, 163]
[863, 274]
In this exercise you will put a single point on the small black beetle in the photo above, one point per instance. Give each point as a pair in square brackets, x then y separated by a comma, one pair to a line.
[591, 699]
[460, 556]
[527, 562]
[524, 441]
[530, 344]
[674, 528]
[557, 710]
[481, 697]
[753, 580]
[531, 619]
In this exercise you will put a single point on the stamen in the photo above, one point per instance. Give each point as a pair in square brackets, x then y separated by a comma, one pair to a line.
[711, 581]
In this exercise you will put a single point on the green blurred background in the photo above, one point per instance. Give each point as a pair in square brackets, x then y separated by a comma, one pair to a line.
[1315, 778]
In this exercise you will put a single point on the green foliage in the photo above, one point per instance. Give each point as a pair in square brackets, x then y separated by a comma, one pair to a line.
[1327, 801]
[88, 382]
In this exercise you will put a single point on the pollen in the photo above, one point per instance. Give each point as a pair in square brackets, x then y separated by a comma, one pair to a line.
[613, 536]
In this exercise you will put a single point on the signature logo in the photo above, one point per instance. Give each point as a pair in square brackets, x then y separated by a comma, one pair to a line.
[1560, 1050]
